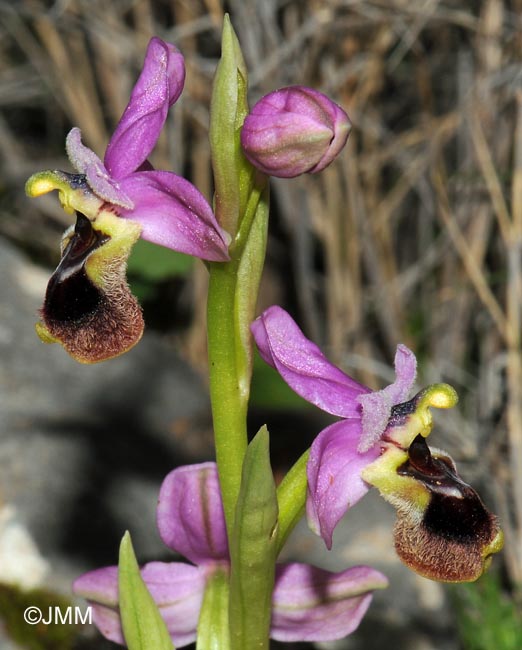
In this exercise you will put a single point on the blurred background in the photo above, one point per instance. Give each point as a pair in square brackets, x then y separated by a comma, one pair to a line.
[413, 235]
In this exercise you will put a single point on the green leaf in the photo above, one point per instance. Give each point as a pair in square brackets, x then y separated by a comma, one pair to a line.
[154, 263]
[229, 107]
[253, 550]
[487, 615]
[143, 627]
[213, 632]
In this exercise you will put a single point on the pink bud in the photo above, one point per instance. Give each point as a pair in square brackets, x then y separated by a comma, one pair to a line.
[294, 130]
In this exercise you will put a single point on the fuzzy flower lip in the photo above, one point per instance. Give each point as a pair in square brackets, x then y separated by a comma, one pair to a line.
[443, 530]
[341, 451]
[169, 209]
[308, 603]
[294, 130]
[88, 306]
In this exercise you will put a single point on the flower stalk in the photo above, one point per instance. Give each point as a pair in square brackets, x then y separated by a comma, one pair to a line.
[241, 205]
[232, 296]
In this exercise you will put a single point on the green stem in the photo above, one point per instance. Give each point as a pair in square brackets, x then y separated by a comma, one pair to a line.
[232, 295]
[291, 498]
[241, 239]
[228, 396]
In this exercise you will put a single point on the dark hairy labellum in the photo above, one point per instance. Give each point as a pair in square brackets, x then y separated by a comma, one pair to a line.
[455, 510]
[456, 534]
[88, 306]
[70, 294]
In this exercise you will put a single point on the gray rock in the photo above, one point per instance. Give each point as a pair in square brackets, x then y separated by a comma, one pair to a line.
[83, 449]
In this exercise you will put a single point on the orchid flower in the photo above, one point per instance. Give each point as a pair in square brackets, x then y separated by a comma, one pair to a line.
[308, 603]
[343, 449]
[88, 306]
[380, 441]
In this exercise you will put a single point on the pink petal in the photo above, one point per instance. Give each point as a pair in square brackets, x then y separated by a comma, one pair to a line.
[294, 130]
[107, 620]
[100, 585]
[303, 366]
[173, 213]
[310, 604]
[158, 87]
[190, 514]
[87, 162]
[333, 471]
[176, 587]
[376, 407]
[278, 146]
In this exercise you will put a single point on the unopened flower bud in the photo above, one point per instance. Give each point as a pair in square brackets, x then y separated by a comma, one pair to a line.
[294, 130]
